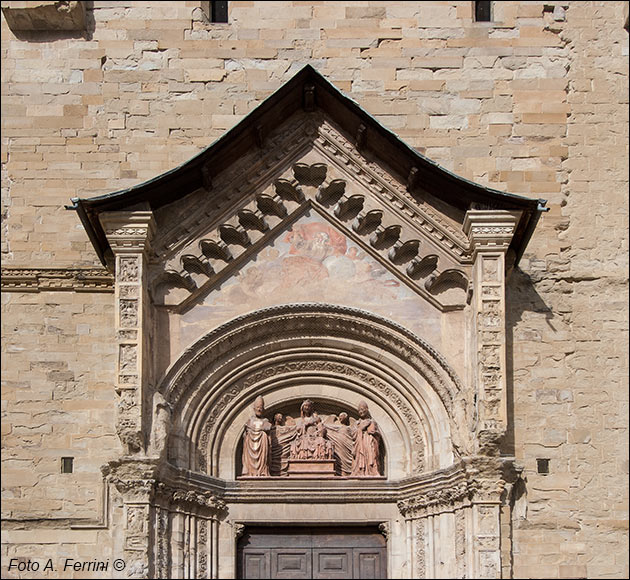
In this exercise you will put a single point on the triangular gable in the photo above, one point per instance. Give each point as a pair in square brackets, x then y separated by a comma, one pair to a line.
[413, 183]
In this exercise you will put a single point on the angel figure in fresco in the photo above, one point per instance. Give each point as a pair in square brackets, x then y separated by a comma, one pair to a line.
[342, 435]
[366, 460]
[257, 443]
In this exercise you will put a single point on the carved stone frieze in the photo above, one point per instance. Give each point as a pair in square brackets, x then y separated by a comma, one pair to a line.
[56, 279]
[190, 499]
[421, 569]
[435, 500]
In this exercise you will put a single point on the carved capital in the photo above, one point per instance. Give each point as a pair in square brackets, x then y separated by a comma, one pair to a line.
[490, 230]
[434, 500]
[134, 479]
[190, 500]
[128, 231]
[486, 478]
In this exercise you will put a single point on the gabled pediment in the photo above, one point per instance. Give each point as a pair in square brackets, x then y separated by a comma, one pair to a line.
[309, 146]
[308, 166]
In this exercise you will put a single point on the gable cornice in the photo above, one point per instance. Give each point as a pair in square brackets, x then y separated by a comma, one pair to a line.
[308, 90]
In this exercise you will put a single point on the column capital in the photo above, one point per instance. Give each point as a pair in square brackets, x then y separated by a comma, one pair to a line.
[490, 230]
[128, 231]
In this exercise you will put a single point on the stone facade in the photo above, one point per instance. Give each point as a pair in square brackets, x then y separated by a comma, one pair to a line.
[533, 103]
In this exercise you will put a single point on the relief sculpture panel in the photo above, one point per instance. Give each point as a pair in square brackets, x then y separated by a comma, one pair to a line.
[311, 445]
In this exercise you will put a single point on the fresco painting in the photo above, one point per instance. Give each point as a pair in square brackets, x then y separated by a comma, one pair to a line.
[313, 262]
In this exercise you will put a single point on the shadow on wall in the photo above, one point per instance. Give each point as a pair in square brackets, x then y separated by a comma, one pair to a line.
[48, 22]
[521, 297]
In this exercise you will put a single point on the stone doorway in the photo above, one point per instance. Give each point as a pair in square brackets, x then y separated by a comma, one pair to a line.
[311, 552]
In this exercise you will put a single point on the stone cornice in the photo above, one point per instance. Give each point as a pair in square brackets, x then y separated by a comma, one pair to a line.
[128, 231]
[57, 279]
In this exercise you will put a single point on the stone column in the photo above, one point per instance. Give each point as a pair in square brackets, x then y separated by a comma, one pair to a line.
[490, 233]
[129, 235]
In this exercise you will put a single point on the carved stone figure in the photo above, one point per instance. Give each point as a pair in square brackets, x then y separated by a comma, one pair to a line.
[366, 460]
[281, 436]
[161, 424]
[257, 443]
[311, 442]
[342, 435]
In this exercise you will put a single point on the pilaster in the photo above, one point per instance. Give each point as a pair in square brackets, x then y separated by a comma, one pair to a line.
[129, 235]
[490, 233]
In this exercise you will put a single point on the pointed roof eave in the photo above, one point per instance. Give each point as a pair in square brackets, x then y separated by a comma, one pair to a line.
[294, 95]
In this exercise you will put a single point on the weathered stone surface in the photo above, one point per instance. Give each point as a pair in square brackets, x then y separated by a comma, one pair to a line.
[42, 15]
[535, 103]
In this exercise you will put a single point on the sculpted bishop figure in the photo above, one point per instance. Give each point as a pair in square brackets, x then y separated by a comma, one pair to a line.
[256, 443]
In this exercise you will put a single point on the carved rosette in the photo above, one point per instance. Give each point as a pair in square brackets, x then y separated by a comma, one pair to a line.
[129, 235]
[490, 233]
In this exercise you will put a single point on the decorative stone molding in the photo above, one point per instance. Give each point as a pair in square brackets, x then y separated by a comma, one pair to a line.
[230, 346]
[251, 378]
[435, 500]
[369, 206]
[56, 279]
[490, 233]
[45, 15]
[129, 235]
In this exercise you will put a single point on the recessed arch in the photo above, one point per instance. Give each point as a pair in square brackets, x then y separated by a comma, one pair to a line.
[302, 350]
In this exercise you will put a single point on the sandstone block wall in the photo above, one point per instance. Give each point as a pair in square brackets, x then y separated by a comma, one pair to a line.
[534, 103]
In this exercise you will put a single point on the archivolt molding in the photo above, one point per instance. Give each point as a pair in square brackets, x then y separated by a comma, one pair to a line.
[218, 369]
[322, 366]
[294, 320]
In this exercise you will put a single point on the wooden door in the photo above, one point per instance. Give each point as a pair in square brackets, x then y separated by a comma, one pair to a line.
[317, 552]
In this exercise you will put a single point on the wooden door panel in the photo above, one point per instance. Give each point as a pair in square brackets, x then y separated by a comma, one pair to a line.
[291, 563]
[285, 553]
[369, 564]
[328, 563]
[254, 564]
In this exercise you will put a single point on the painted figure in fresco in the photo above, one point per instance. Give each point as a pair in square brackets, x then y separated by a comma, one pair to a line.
[366, 460]
[281, 436]
[342, 435]
[257, 443]
[311, 442]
